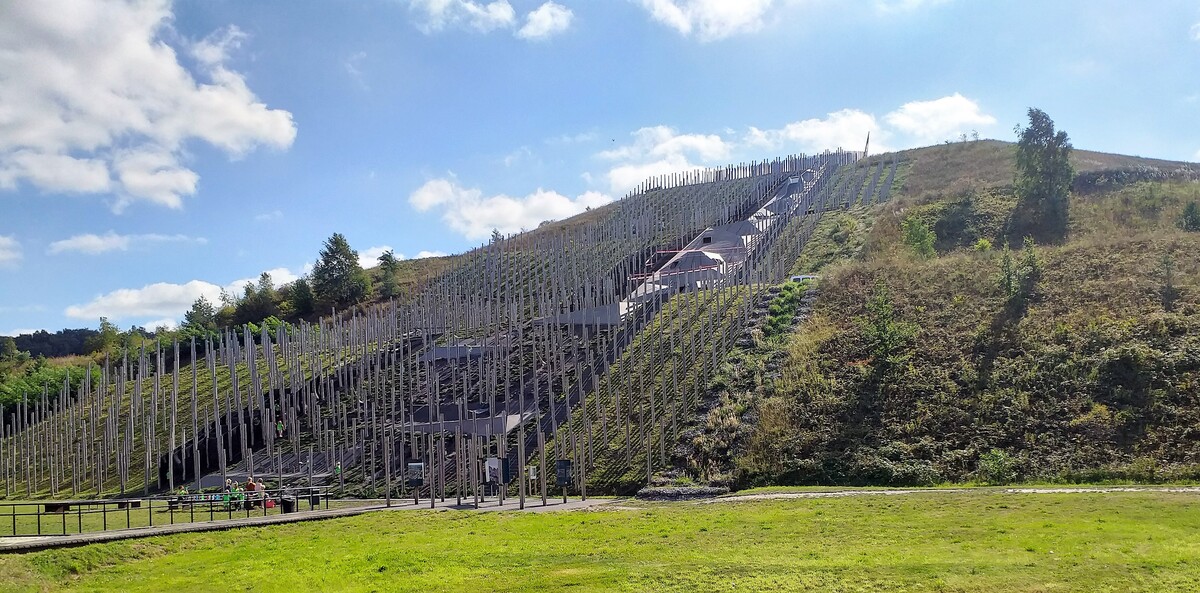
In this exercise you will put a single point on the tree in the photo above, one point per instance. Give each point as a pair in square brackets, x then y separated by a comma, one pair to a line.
[8, 348]
[388, 267]
[1018, 282]
[919, 236]
[887, 337]
[496, 236]
[107, 340]
[202, 316]
[1044, 177]
[337, 279]
[1190, 219]
[302, 299]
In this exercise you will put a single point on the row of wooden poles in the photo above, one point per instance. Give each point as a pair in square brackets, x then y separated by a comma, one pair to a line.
[358, 397]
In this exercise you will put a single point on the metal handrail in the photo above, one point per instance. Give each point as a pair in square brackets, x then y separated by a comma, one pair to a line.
[217, 505]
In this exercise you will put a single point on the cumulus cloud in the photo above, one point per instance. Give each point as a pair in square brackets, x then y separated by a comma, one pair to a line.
[279, 277]
[939, 119]
[92, 244]
[658, 150]
[10, 251]
[661, 150]
[169, 323]
[161, 299]
[425, 254]
[164, 301]
[469, 213]
[710, 20]
[369, 257]
[95, 101]
[438, 15]
[546, 21]
[846, 129]
[1195, 32]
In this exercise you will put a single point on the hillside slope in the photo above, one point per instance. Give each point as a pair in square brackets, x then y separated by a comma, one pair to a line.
[1093, 374]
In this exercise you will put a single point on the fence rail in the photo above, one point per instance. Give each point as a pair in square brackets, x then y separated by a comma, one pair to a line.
[70, 517]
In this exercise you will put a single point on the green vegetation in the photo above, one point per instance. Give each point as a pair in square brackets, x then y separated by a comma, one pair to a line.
[337, 279]
[1061, 362]
[1189, 220]
[1044, 177]
[919, 237]
[977, 542]
[838, 236]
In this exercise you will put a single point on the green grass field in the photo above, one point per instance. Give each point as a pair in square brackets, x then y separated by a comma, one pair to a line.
[935, 541]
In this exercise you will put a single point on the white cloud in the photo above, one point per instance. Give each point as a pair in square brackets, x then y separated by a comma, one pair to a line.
[161, 299]
[369, 257]
[659, 150]
[546, 21]
[710, 20]
[474, 216]
[95, 101]
[169, 323]
[1195, 32]
[517, 156]
[353, 68]
[425, 254]
[846, 129]
[92, 244]
[268, 216]
[279, 277]
[938, 120]
[10, 251]
[438, 15]
[164, 300]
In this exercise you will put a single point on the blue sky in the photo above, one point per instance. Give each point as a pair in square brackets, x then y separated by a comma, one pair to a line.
[153, 152]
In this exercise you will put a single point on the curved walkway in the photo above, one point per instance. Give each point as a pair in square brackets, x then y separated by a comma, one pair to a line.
[1033, 490]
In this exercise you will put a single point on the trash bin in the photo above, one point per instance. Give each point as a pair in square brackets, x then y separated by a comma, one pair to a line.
[314, 497]
[287, 504]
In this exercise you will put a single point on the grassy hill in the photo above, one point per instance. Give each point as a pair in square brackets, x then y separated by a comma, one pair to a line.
[1094, 376]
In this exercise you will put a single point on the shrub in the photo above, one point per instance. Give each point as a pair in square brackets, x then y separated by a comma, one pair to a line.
[919, 237]
[1190, 219]
[996, 467]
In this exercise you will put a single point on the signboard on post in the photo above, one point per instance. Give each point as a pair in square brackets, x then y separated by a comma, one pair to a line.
[562, 468]
[414, 476]
[492, 470]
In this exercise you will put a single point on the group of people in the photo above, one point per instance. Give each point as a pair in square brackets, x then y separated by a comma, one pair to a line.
[250, 494]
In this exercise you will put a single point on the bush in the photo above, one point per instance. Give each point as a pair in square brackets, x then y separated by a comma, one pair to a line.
[996, 468]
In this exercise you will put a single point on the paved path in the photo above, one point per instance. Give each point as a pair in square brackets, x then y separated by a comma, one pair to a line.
[847, 493]
[31, 543]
